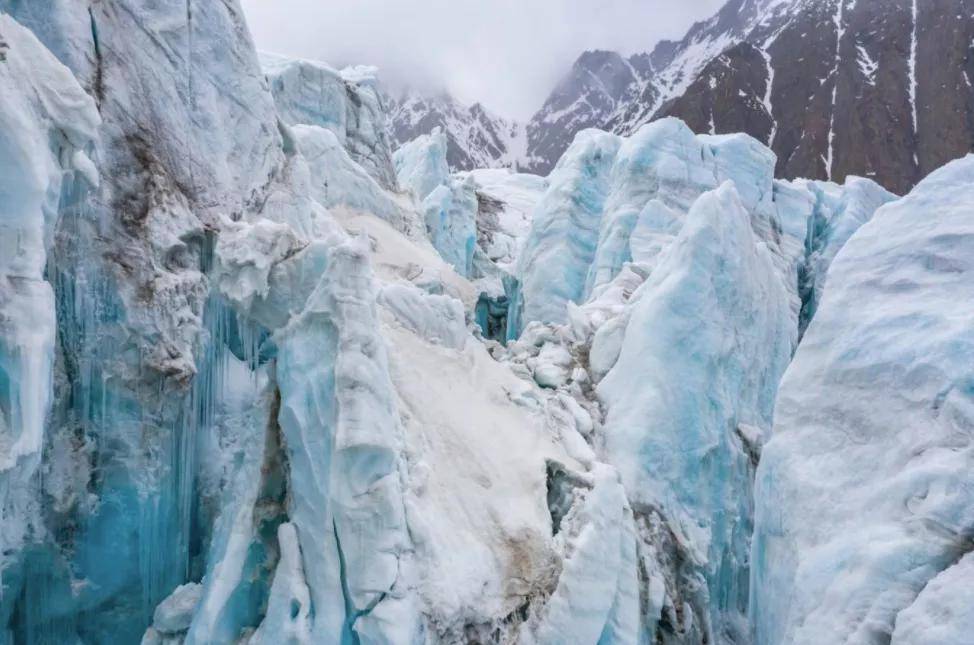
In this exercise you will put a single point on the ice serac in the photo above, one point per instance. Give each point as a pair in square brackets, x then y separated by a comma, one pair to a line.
[838, 212]
[706, 343]
[629, 212]
[421, 164]
[337, 182]
[597, 599]
[450, 212]
[894, 328]
[347, 102]
[338, 417]
[565, 230]
[168, 458]
[135, 376]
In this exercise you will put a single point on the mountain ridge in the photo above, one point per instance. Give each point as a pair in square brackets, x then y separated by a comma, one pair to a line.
[835, 87]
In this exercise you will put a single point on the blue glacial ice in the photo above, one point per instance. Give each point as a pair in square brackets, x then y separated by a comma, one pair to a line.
[565, 230]
[47, 127]
[421, 164]
[677, 277]
[347, 102]
[450, 213]
[838, 213]
[448, 204]
[707, 340]
[872, 435]
[615, 202]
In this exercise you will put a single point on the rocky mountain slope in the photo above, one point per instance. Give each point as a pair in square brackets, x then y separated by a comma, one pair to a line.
[877, 89]
[476, 138]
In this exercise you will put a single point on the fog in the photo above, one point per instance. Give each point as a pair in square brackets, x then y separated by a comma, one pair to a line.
[507, 54]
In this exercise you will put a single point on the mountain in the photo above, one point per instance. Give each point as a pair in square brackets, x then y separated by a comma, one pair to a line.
[476, 138]
[599, 84]
[879, 89]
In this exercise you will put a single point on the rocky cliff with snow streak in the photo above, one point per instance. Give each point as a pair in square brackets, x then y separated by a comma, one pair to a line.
[264, 379]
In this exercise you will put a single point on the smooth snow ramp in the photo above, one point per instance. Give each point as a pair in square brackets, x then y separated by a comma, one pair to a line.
[866, 491]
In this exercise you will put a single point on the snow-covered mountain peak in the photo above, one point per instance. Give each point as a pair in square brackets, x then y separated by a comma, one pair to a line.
[476, 137]
[832, 86]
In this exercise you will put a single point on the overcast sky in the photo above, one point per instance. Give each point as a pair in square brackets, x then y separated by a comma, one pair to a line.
[508, 54]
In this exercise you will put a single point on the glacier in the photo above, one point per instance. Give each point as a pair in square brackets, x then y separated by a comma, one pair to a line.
[885, 472]
[264, 379]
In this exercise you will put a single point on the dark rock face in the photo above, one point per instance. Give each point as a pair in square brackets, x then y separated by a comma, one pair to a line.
[877, 88]
[728, 95]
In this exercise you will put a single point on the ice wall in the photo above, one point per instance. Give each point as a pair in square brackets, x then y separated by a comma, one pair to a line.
[872, 432]
[672, 266]
[164, 462]
[565, 230]
[47, 127]
[838, 213]
[421, 164]
[694, 388]
[346, 102]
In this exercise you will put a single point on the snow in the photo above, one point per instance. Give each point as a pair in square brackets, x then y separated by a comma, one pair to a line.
[436, 318]
[395, 256]
[893, 327]
[476, 444]
[867, 65]
[913, 64]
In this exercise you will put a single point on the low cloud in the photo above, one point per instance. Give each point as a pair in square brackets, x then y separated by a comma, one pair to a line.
[507, 54]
